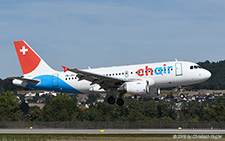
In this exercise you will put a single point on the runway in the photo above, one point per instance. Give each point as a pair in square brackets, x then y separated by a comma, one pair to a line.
[111, 131]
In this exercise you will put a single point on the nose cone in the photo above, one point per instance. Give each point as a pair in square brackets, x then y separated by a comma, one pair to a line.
[206, 75]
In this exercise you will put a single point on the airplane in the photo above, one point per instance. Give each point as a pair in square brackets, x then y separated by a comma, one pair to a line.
[141, 79]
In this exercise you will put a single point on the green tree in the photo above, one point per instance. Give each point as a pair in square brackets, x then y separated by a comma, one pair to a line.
[135, 115]
[61, 108]
[36, 115]
[162, 109]
[24, 107]
[217, 80]
[92, 98]
[150, 110]
[9, 107]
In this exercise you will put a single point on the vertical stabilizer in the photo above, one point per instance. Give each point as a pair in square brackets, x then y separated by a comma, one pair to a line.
[31, 63]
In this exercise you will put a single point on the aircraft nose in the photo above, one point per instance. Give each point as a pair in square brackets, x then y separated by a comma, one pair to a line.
[207, 74]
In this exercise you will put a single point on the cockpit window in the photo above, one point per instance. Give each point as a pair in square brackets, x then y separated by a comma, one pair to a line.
[195, 67]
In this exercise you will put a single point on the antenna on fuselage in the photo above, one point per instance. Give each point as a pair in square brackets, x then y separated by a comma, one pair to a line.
[176, 60]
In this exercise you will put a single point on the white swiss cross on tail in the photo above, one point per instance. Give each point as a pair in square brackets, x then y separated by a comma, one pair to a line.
[23, 50]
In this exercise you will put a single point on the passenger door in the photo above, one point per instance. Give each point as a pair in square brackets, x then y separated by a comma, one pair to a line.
[178, 70]
[55, 82]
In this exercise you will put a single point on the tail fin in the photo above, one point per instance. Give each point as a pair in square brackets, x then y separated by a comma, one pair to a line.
[30, 62]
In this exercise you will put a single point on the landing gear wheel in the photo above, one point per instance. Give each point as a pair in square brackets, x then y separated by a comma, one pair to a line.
[111, 100]
[120, 102]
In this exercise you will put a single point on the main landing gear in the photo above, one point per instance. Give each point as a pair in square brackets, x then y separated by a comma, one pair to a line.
[112, 100]
[120, 101]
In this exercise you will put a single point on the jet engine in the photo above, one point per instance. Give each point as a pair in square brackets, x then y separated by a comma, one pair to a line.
[143, 87]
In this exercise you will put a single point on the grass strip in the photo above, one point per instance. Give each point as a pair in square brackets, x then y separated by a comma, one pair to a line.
[47, 137]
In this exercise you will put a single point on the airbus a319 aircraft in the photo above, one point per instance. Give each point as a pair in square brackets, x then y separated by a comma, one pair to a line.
[142, 79]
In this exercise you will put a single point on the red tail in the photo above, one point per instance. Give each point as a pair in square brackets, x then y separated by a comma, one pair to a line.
[29, 60]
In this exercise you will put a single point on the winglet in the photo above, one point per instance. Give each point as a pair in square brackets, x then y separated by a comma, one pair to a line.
[65, 68]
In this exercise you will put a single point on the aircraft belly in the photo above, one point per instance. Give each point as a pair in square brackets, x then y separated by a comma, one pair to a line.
[83, 86]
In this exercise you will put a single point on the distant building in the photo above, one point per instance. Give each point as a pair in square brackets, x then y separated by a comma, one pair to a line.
[29, 95]
[100, 100]
[82, 98]
[47, 93]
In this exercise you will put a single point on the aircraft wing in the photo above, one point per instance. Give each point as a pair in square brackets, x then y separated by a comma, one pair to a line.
[104, 81]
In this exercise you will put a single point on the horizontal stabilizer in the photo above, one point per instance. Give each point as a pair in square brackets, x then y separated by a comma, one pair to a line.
[30, 81]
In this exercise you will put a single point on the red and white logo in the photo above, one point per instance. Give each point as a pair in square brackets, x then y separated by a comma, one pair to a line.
[24, 50]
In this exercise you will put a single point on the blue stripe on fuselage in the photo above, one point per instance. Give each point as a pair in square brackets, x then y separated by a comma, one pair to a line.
[47, 84]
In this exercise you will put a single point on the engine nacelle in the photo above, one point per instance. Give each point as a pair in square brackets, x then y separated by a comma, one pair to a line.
[136, 87]
[144, 87]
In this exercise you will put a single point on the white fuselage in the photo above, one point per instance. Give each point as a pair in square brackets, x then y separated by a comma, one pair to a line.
[165, 74]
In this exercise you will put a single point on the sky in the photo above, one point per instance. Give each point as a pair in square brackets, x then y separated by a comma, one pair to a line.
[102, 33]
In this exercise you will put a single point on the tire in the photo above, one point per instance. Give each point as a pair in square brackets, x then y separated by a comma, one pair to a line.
[120, 102]
[111, 100]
